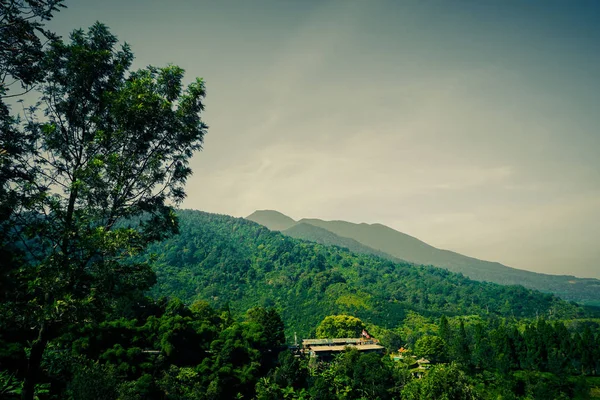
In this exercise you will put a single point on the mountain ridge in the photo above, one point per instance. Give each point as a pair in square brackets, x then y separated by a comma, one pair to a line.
[309, 232]
[394, 245]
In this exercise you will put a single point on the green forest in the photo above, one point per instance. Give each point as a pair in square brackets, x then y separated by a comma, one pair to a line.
[235, 262]
[109, 291]
[385, 242]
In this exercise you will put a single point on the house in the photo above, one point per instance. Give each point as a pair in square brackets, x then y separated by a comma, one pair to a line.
[325, 349]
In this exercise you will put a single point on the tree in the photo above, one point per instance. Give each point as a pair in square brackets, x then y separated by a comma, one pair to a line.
[441, 382]
[482, 352]
[340, 326]
[432, 347]
[586, 347]
[109, 161]
[272, 324]
[389, 339]
[460, 346]
[272, 336]
[445, 330]
[291, 371]
[360, 376]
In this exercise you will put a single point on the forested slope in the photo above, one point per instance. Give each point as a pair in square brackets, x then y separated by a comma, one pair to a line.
[394, 245]
[234, 261]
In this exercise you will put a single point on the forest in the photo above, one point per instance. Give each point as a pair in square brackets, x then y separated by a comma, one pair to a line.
[109, 291]
[235, 262]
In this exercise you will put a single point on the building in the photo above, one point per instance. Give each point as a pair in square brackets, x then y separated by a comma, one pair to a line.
[325, 349]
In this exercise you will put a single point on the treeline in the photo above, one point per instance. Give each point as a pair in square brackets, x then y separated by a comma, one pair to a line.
[560, 347]
[162, 349]
[227, 260]
[511, 346]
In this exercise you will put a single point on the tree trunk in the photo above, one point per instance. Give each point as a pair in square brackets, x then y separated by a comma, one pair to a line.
[33, 364]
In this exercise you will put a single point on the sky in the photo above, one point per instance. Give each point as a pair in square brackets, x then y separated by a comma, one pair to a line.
[470, 124]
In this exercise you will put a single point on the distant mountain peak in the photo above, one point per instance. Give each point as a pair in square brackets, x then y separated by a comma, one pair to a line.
[274, 220]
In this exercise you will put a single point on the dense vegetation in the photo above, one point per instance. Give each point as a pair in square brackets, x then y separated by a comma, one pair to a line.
[387, 243]
[161, 349]
[236, 262]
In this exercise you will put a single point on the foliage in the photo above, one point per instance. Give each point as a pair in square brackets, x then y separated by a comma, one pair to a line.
[94, 381]
[271, 322]
[235, 262]
[446, 382]
[431, 347]
[165, 349]
[10, 387]
[21, 47]
[107, 159]
[22, 36]
[353, 375]
[340, 326]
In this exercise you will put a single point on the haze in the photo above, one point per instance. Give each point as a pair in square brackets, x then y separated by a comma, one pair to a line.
[472, 125]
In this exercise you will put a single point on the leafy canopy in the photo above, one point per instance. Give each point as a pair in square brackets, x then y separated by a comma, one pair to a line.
[340, 326]
[21, 41]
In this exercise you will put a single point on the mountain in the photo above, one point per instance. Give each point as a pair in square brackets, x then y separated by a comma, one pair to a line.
[274, 220]
[314, 233]
[396, 245]
[238, 264]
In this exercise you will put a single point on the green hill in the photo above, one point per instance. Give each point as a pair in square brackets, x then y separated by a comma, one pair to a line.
[396, 245]
[237, 263]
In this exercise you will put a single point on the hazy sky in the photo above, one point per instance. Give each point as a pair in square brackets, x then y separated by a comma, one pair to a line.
[472, 125]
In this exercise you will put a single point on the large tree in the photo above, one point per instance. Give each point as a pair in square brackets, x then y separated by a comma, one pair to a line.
[340, 326]
[109, 156]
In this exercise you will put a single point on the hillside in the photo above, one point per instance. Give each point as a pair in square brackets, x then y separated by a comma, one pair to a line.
[238, 263]
[396, 245]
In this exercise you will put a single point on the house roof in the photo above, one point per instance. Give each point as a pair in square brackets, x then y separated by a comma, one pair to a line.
[365, 347]
[322, 342]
